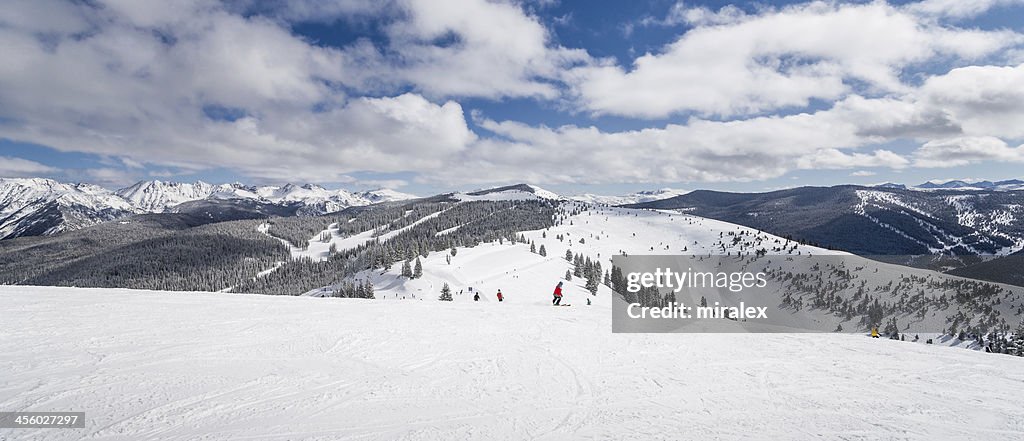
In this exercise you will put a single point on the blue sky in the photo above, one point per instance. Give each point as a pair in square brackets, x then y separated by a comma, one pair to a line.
[576, 96]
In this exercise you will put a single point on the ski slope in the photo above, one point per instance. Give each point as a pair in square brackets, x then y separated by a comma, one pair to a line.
[186, 366]
[602, 232]
[526, 277]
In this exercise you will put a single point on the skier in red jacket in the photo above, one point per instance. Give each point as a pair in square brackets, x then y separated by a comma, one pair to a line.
[500, 297]
[558, 295]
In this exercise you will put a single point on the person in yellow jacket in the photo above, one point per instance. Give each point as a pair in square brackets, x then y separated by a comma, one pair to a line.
[874, 332]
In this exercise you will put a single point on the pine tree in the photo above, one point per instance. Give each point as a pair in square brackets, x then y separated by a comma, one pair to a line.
[568, 255]
[543, 251]
[407, 269]
[446, 293]
[533, 248]
[568, 275]
[592, 284]
[418, 271]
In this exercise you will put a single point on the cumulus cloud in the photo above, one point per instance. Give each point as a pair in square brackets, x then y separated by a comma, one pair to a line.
[140, 83]
[835, 159]
[700, 150]
[491, 49]
[736, 64]
[984, 100]
[966, 150]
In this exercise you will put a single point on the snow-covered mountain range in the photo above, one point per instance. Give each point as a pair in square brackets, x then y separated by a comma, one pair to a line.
[36, 206]
[962, 184]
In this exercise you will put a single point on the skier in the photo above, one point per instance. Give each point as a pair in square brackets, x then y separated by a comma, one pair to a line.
[874, 332]
[476, 296]
[500, 297]
[558, 295]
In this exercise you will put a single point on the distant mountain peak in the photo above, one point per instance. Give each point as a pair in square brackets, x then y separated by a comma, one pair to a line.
[510, 192]
[973, 184]
[632, 198]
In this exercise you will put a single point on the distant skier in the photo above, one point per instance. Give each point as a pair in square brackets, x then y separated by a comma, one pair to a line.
[558, 295]
[476, 296]
[874, 332]
[500, 297]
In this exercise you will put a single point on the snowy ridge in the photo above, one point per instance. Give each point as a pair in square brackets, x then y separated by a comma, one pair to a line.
[518, 192]
[972, 184]
[633, 198]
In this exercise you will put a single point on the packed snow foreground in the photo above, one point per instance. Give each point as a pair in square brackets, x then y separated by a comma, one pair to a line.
[185, 366]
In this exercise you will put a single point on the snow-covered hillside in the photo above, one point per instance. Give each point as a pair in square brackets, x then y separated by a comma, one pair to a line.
[600, 234]
[185, 366]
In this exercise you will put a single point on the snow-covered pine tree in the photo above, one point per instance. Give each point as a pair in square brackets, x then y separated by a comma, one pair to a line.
[568, 255]
[568, 275]
[592, 284]
[417, 272]
[446, 293]
[542, 251]
[407, 269]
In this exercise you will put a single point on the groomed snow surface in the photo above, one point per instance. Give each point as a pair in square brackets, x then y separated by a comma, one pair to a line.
[202, 366]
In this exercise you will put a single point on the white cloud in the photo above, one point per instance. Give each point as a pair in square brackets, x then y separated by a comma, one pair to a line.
[136, 88]
[493, 50]
[966, 150]
[835, 159]
[20, 168]
[782, 58]
[863, 173]
[957, 8]
[984, 100]
[701, 150]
